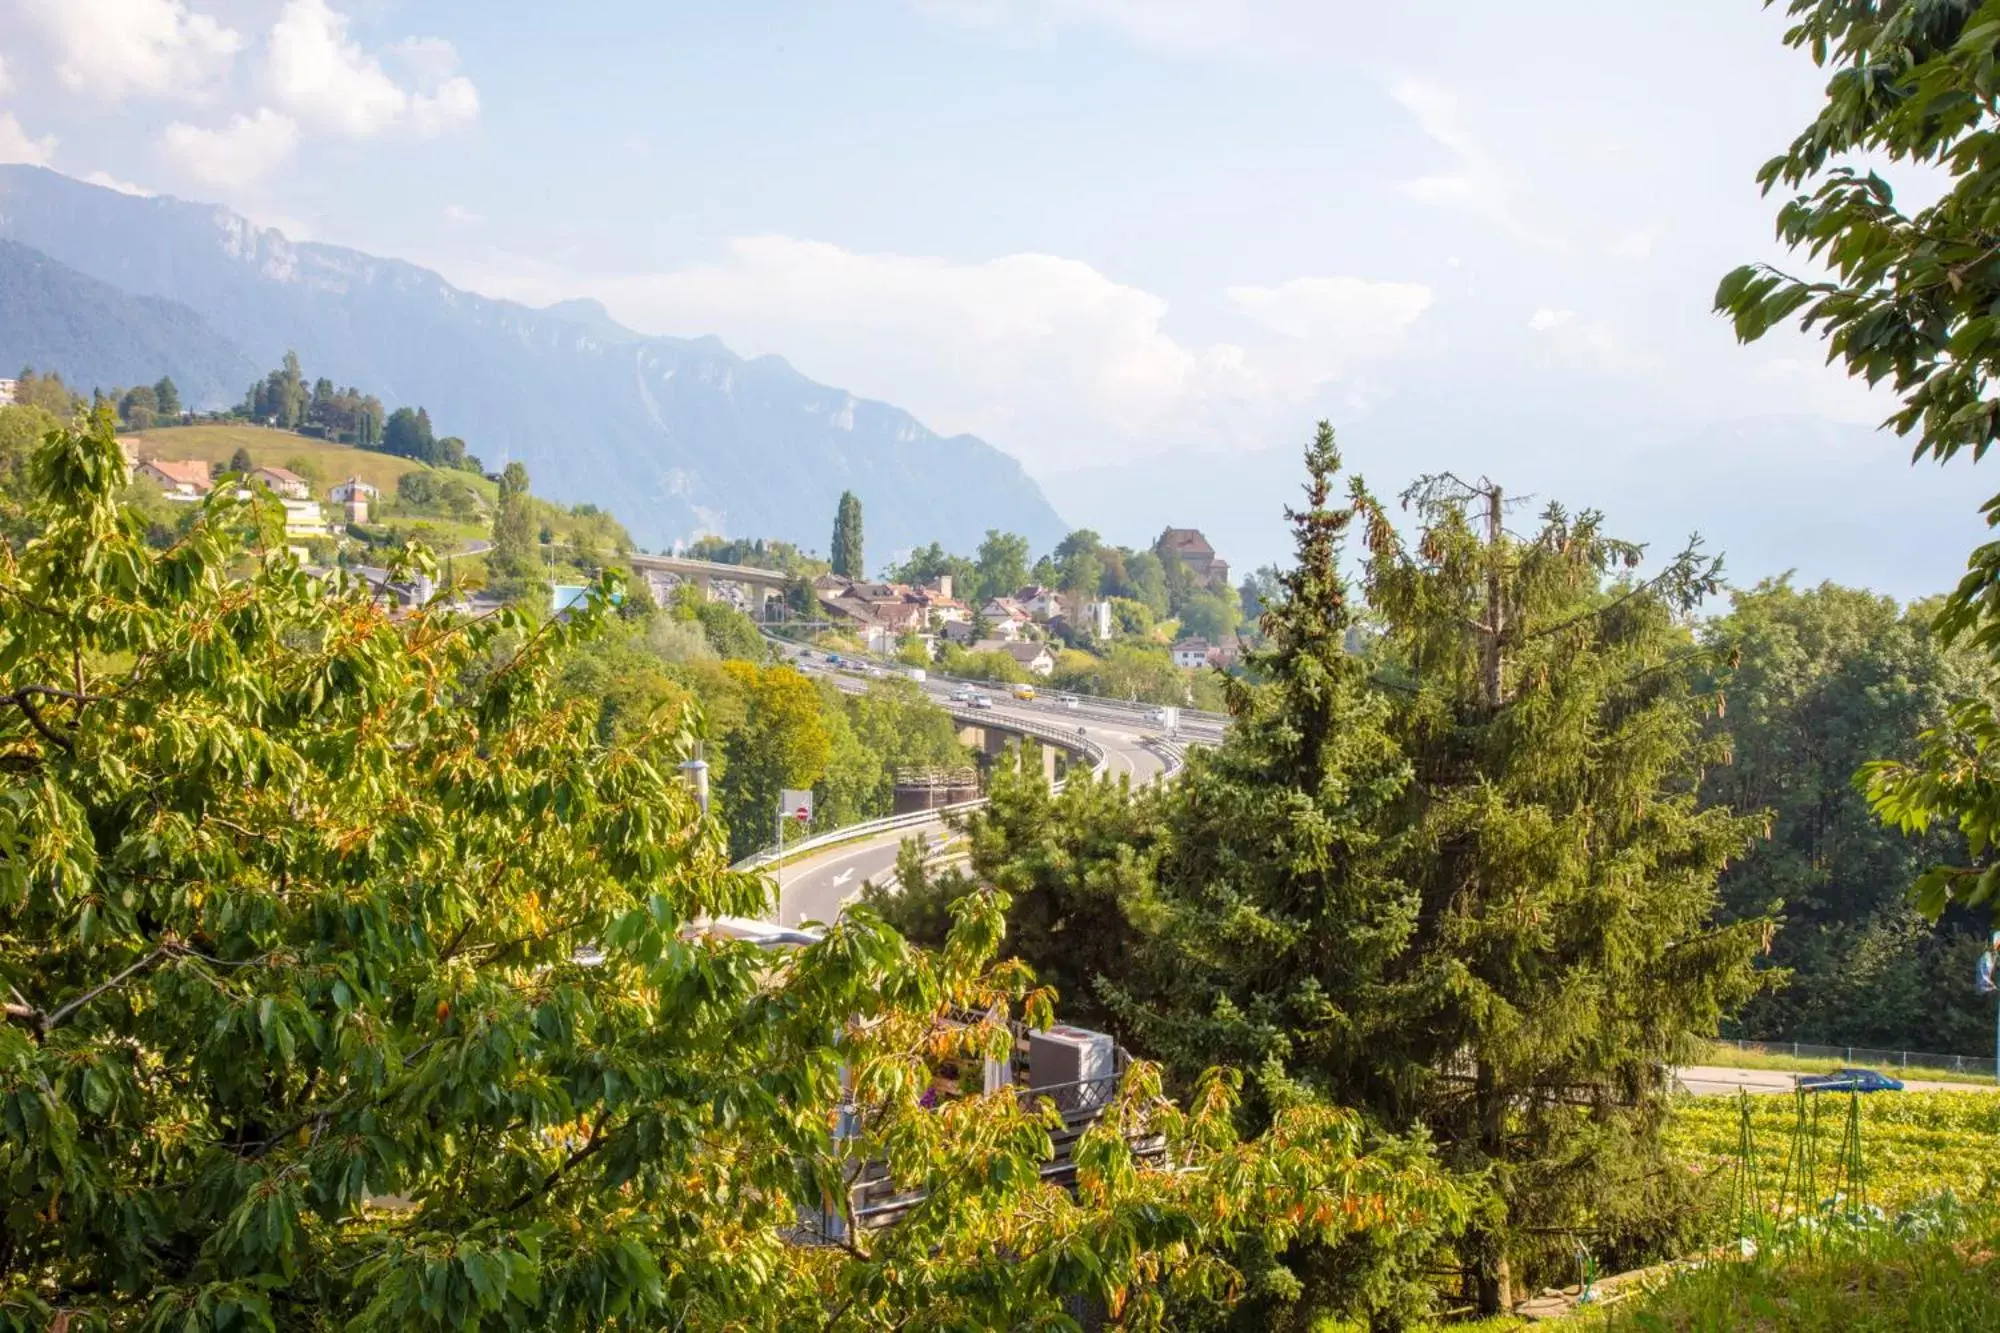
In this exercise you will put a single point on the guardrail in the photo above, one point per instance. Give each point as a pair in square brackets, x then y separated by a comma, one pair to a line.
[1195, 716]
[869, 828]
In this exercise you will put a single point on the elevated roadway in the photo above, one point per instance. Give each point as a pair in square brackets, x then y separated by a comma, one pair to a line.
[815, 887]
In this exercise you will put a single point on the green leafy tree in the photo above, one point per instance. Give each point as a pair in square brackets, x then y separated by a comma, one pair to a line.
[1825, 680]
[46, 391]
[780, 742]
[1211, 615]
[1146, 576]
[353, 980]
[417, 488]
[408, 435]
[22, 427]
[1907, 299]
[1081, 574]
[139, 407]
[513, 557]
[1002, 564]
[847, 557]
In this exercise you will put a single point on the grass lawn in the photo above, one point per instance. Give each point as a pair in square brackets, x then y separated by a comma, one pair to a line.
[1729, 1057]
[1932, 1286]
[278, 448]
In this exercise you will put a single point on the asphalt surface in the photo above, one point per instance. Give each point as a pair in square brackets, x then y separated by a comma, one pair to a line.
[1719, 1080]
[815, 889]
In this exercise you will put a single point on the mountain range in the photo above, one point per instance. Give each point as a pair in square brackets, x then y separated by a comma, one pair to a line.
[676, 436]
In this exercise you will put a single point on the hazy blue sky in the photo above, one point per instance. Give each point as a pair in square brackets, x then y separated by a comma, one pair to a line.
[1120, 239]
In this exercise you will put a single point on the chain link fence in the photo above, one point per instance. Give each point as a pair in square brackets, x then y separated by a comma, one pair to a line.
[1867, 1057]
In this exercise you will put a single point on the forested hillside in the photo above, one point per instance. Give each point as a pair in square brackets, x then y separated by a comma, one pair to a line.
[55, 317]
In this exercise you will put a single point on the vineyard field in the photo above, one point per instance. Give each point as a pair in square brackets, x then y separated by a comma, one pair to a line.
[1913, 1144]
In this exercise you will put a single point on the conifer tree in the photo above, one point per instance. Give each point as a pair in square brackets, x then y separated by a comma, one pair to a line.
[847, 560]
[1563, 873]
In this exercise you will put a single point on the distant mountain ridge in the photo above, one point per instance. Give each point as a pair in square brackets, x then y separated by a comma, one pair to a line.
[55, 318]
[675, 435]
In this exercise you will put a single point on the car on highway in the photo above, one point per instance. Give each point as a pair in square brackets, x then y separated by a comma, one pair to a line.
[1025, 693]
[1157, 716]
[1851, 1080]
[982, 701]
[961, 695]
[1069, 701]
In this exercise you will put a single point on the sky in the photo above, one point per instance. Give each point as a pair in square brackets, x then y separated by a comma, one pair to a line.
[1141, 245]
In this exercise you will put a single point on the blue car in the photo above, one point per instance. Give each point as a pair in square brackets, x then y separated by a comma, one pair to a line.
[1852, 1080]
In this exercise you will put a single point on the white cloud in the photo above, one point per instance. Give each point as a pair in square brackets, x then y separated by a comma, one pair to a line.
[328, 81]
[1479, 184]
[1635, 244]
[17, 147]
[250, 146]
[1045, 356]
[1351, 312]
[1545, 319]
[111, 182]
[456, 216]
[115, 48]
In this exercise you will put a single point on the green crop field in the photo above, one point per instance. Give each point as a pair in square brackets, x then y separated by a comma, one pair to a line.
[1913, 1144]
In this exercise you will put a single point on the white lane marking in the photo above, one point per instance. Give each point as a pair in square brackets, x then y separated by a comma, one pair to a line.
[843, 876]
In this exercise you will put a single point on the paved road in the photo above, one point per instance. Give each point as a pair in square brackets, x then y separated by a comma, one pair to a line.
[1717, 1080]
[815, 889]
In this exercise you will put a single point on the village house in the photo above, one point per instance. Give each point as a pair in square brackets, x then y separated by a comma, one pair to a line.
[1040, 603]
[282, 482]
[183, 479]
[1006, 616]
[1034, 658]
[1191, 653]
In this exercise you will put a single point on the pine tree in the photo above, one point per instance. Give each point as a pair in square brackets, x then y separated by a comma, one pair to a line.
[847, 538]
[1565, 952]
[167, 396]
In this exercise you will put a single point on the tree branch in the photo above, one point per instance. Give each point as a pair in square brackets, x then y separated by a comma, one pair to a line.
[63, 1015]
[24, 700]
[597, 1140]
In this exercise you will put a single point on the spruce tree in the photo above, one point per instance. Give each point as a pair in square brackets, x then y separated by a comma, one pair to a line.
[1563, 874]
[847, 538]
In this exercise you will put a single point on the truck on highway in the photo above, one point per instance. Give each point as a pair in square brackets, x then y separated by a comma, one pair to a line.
[917, 674]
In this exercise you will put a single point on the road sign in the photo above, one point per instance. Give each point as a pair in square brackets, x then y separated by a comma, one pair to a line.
[796, 805]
